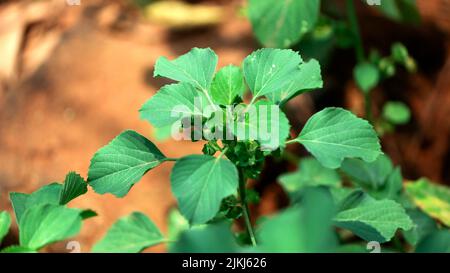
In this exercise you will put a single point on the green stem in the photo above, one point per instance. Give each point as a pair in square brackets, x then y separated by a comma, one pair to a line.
[359, 49]
[368, 106]
[246, 212]
[210, 101]
[292, 141]
[170, 159]
[222, 152]
[354, 25]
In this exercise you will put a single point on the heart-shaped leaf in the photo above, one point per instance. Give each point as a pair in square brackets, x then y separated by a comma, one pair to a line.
[130, 234]
[199, 183]
[116, 167]
[282, 23]
[334, 134]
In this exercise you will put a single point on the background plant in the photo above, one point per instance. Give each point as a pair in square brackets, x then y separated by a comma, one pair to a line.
[316, 27]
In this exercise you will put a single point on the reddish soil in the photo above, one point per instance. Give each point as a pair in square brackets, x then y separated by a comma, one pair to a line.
[99, 75]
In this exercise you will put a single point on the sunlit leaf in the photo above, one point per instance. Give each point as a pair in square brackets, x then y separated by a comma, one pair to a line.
[227, 85]
[5, 223]
[334, 134]
[433, 199]
[374, 220]
[264, 122]
[74, 186]
[48, 194]
[45, 224]
[282, 23]
[116, 167]
[173, 103]
[130, 234]
[196, 67]
[199, 183]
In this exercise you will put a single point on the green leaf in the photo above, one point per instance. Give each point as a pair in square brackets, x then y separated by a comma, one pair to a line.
[119, 165]
[74, 186]
[271, 70]
[396, 112]
[264, 122]
[308, 77]
[334, 134]
[196, 67]
[213, 238]
[304, 228]
[87, 213]
[379, 178]
[173, 103]
[368, 174]
[17, 249]
[392, 188]
[367, 76]
[227, 85]
[437, 242]
[162, 134]
[310, 173]
[176, 224]
[352, 199]
[199, 183]
[374, 220]
[5, 223]
[282, 23]
[45, 224]
[130, 234]
[401, 10]
[48, 194]
[431, 198]
[54, 193]
[423, 225]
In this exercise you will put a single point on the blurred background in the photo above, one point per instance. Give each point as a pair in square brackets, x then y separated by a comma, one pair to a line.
[72, 77]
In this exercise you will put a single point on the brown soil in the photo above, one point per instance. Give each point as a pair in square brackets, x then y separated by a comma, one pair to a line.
[94, 81]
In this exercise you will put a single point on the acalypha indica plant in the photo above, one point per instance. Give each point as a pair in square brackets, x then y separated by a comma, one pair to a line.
[347, 188]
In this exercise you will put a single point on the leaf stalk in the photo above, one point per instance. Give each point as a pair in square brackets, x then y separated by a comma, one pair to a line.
[245, 210]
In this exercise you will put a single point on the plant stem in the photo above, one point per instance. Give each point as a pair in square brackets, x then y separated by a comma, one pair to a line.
[359, 49]
[170, 159]
[246, 212]
[368, 106]
[222, 152]
[354, 25]
[291, 141]
[208, 98]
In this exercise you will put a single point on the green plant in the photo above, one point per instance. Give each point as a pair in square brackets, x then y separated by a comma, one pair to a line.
[301, 24]
[371, 202]
[201, 183]
[347, 188]
[43, 216]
